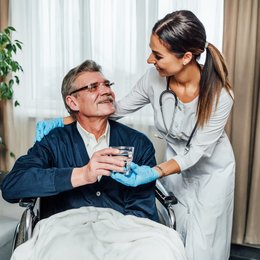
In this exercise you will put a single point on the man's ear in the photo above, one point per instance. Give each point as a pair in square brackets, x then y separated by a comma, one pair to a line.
[187, 57]
[72, 103]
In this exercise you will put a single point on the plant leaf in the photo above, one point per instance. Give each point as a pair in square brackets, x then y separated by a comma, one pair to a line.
[16, 103]
[18, 45]
[8, 66]
[18, 41]
[12, 155]
[11, 83]
[11, 28]
[17, 80]
[14, 48]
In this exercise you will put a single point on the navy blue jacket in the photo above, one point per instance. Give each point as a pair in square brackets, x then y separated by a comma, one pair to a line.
[46, 172]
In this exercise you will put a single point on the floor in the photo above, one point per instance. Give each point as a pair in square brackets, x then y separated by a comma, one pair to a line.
[244, 253]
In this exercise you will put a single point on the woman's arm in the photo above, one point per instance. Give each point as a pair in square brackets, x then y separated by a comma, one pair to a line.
[203, 144]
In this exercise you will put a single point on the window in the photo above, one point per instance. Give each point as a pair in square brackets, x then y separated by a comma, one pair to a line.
[58, 35]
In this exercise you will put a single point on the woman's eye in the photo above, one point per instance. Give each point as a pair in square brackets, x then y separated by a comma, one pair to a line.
[157, 57]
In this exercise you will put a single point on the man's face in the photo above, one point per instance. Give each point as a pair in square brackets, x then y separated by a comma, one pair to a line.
[96, 102]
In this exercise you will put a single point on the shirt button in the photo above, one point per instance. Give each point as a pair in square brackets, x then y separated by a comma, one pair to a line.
[98, 193]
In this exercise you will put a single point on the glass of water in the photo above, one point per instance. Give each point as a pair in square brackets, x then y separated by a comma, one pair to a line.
[128, 152]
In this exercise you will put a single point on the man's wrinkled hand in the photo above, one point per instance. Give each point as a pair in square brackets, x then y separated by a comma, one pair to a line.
[101, 163]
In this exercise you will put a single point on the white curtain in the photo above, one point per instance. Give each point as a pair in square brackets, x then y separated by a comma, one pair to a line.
[60, 34]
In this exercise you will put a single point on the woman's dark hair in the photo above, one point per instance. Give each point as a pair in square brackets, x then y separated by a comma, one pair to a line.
[182, 32]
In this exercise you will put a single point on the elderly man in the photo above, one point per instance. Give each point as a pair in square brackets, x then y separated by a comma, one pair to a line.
[70, 167]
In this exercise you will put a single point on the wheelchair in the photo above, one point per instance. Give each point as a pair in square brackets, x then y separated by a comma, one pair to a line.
[35, 208]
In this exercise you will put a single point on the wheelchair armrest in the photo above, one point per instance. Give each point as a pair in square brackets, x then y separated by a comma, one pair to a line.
[27, 203]
[167, 199]
[27, 222]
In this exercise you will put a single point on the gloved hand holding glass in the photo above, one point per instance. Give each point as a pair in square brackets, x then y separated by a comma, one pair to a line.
[138, 175]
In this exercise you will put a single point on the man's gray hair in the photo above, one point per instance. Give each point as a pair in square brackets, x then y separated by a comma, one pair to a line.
[68, 81]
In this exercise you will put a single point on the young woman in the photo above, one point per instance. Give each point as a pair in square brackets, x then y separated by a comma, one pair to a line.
[191, 106]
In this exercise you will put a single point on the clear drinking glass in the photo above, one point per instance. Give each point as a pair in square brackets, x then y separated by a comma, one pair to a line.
[128, 152]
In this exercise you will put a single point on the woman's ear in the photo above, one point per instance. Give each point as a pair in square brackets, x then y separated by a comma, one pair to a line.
[72, 103]
[187, 57]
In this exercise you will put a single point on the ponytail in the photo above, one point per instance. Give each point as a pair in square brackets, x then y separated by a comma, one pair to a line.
[214, 77]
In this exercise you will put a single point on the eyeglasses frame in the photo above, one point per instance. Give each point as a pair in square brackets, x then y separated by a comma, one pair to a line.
[93, 86]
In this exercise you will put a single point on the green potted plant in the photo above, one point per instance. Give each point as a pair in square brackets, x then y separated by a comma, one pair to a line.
[8, 69]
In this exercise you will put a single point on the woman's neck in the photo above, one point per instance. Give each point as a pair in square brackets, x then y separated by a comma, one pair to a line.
[186, 84]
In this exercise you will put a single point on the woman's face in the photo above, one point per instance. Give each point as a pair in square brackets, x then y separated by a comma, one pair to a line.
[166, 62]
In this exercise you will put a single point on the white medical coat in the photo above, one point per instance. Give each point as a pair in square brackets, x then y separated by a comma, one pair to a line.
[205, 187]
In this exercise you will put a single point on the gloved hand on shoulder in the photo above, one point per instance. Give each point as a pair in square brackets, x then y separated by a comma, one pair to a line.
[44, 127]
[138, 175]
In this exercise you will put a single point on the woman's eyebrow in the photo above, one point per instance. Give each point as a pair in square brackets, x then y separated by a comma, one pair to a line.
[153, 51]
[156, 52]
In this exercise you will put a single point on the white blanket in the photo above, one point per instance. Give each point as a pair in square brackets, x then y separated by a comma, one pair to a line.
[100, 233]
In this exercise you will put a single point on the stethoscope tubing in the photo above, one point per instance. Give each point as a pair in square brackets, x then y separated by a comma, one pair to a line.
[171, 92]
[168, 90]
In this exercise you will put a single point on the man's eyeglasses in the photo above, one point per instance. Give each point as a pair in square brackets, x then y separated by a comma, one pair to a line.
[93, 86]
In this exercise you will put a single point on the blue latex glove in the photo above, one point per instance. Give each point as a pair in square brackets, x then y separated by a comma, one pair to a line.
[138, 175]
[44, 127]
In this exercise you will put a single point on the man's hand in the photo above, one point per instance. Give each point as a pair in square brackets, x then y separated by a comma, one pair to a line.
[44, 127]
[138, 175]
[101, 163]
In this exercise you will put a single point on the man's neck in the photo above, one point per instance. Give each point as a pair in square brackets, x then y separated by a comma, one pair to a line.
[95, 126]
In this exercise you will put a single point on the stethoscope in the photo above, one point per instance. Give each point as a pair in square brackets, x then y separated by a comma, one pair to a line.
[168, 130]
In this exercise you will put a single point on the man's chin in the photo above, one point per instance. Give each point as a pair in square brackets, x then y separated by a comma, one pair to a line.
[106, 109]
[109, 112]
[112, 111]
